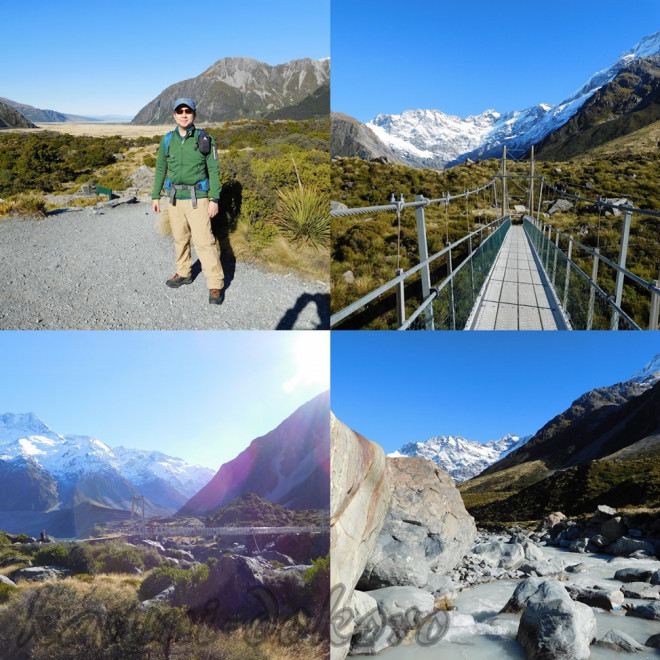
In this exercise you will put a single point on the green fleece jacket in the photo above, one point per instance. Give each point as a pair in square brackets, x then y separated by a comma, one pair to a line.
[185, 165]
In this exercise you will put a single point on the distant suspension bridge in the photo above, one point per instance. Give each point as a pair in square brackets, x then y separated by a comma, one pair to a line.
[511, 277]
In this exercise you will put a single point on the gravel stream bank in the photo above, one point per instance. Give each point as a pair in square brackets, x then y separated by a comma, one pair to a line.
[106, 270]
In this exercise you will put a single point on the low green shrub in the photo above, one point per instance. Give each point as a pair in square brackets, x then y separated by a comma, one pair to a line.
[7, 591]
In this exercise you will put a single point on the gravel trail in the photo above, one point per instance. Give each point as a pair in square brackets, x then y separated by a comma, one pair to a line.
[106, 270]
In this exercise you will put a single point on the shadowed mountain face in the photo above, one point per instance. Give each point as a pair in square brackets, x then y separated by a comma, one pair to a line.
[288, 466]
[12, 118]
[352, 139]
[626, 104]
[240, 87]
[38, 114]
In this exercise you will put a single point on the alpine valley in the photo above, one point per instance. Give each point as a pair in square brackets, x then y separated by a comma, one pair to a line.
[624, 94]
[66, 484]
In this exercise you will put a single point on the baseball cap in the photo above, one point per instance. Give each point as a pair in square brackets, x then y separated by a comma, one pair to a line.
[189, 102]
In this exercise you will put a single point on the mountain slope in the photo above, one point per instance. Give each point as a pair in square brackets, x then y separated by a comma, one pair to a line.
[430, 138]
[240, 87]
[622, 106]
[605, 443]
[85, 469]
[288, 466]
[461, 458]
[352, 139]
[39, 115]
[12, 118]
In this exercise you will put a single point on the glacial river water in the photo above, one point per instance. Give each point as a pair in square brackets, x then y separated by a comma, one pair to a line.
[476, 632]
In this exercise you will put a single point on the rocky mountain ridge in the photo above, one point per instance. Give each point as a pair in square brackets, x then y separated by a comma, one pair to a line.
[461, 458]
[84, 468]
[430, 138]
[241, 87]
[288, 466]
[41, 115]
[12, 118]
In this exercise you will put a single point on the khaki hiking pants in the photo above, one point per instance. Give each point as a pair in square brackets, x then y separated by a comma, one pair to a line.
[187, 222]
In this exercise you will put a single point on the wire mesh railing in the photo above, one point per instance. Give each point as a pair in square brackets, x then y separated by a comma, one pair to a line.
[449, 305]
[586, 305]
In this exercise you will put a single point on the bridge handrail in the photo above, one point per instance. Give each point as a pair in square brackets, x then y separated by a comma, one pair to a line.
[360, 210]
[358, 304]
[642, 282]
[599, 202]
[608, 299]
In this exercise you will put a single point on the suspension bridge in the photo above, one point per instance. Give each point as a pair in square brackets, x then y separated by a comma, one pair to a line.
[517, 272]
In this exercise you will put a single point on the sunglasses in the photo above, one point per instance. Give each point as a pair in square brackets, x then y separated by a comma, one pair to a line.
[184, 111]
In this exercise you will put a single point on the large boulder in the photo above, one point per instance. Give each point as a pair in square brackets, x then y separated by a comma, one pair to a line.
[625, 546]
[359, 497]
[303, 547]
[403, 608]
[603, 596]
[645, 611]
[619, 641]
[642, 590]
[508, 556]
[552, 626]
[41, 573]
[426, 532]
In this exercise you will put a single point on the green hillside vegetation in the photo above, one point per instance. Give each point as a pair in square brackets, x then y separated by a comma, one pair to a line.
[623, 482]
[251, 510]
[258, 160]
[367, 245]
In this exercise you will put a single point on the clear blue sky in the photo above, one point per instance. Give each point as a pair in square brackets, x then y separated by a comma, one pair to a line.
[114, 57]
[397, 387]
[465, 56]
[200, 396]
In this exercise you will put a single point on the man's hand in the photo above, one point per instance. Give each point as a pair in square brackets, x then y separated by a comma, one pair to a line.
[213, 209]
[155, 205]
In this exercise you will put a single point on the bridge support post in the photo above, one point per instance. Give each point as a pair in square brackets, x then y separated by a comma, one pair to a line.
[623, 255]
[554, 266]
[655, 307]
[592, 292]
[400, 300]
[568, 270]
[423, 256]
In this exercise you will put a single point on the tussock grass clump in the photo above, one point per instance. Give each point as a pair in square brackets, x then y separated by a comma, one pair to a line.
[28, 206]
[303, 215]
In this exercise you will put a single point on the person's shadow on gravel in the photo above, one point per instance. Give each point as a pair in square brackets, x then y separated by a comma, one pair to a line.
[231, 198]
[291, 315]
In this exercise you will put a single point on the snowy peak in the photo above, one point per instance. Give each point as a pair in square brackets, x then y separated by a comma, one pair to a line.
[430, 138]
[14, 426]
[650, 374]
[461, 458]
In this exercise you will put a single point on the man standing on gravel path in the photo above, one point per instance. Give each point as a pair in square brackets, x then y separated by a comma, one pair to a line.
[189, 160]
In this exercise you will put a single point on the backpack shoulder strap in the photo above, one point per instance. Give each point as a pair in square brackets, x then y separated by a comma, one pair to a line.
[166, 142]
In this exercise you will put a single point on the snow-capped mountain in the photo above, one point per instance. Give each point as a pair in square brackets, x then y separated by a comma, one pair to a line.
[430, 138]
[76, 460]
[461, 458]
[650, 374]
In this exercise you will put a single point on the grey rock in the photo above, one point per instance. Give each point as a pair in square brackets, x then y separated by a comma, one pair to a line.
[553, 626]
[163, 597]
[5, 580]
[580, 545]
[130, 199]
[373, 641]
[369, 635]
[641, 554]
[560, 205]
[274, 556]
[41, 573]
[542, 568]
[635, 533]
[152, 544]
[143, 178]
[601, 596]
[532, 552]
[519, 208]
[349, 277]
[524, 591]
[573, 533]
[427, 529]
[599, 541]
[631, 574]
[606, 510]
[653, 641]
[577, 568]
[501, 555]
[337, 206]
[655, 578]
[403, 608]
[645, 611]
[641, 590]
[619, 641]
[626, 546]
[613, 528]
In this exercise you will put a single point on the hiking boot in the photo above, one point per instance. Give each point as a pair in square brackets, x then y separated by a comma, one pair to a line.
[216, 296]
[177, 281]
